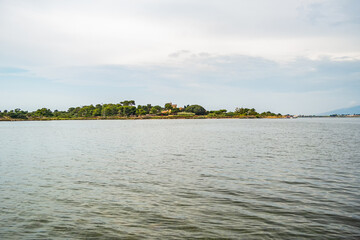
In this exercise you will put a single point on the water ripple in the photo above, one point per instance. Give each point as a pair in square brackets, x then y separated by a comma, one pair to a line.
[180, 179]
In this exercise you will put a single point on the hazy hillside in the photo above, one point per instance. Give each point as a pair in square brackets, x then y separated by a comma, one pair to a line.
[352, 110]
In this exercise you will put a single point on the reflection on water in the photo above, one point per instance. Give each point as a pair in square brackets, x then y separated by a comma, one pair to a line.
[231, 179]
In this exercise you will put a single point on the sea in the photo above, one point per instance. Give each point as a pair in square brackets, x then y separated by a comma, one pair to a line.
[180, 179]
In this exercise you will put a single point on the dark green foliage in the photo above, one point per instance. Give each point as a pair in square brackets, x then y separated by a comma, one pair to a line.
[252, 112]
[96, 112]
[140, 112]
[155, 110]
[86, 111]
[143, 109]
[43, 112]
[128, 103]
[230, 114]
[267, 114]
[197, 109]
[61, 114]
[175, 110]
[221, 111]
[17, 113]
[168, 106]
[218, 113]
[127, 109]
[246, 111]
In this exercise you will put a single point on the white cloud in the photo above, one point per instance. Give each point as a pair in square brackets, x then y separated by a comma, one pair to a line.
[301, 48]
[140, 32]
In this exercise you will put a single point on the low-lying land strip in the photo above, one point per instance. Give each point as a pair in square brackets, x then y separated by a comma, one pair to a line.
[128, 110]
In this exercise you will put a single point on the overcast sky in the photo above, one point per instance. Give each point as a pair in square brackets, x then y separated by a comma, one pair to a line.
[287, 56]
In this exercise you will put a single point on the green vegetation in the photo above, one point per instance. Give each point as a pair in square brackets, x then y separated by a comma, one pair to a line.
[197, 109]
[186, 114]
[127, 110]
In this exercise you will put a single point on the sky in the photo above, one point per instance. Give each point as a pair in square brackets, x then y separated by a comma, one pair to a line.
[289, 57]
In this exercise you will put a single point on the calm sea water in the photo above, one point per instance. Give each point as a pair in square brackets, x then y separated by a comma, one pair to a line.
[175, 179]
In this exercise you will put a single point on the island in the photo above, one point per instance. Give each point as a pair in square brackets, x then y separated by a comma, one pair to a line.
[128, 110]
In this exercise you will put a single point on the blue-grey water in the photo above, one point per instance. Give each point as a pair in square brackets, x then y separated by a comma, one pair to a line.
[176, 179]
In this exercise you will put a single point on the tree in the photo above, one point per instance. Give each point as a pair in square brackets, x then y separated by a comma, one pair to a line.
[143, 109]
[128, 103]
[17, 113]
[96, 112]
[86, 111]
[56, 113]
[155, 110]
[128, 111]
[252, 112]
[140, 112]
[221, 111]
[107, 111]
[168, 106]
[43, 112]
[246, 111]
[175, 110]
[197, 109]
[240, 110]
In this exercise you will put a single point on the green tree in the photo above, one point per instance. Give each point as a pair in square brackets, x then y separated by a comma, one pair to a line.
[110, 110]
[140, 112]
[197, 109]
[86, 111]
[168, 106]
[128, 103]
[128, 111]
[17, 113]
[56, 113]
[175, 110]
[44, 112]
[221, 111]
[96, 112]
[155, 110]
[106, 111]
[246, 111]
[143, 109]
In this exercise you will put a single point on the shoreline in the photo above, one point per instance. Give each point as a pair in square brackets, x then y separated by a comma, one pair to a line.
[171, 117]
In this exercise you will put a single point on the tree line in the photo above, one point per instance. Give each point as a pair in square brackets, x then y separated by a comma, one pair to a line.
[126, 109]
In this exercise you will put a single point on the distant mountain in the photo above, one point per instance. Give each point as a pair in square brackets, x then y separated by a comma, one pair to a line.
[352, 110]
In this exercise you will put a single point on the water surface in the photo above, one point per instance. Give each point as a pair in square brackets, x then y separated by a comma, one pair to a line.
[175, 179]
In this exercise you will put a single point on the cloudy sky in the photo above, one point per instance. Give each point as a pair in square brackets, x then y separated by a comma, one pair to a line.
[288, 56]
